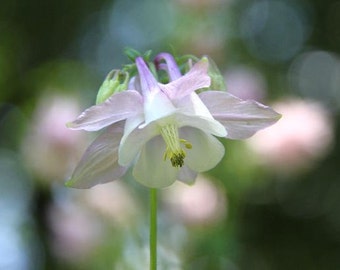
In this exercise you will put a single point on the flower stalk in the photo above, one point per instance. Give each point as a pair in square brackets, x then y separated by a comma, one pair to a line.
[153, 229]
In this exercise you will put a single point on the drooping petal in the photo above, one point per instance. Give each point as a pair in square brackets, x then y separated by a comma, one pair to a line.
[195, 79]
[206, 150]
[240, 118]
[118, 107]
[151, 169]
[186, 175]
[99, 163]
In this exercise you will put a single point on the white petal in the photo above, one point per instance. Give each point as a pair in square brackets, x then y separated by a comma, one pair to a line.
[134, 139]
[208, 125]
[118, 107]
[195, 79]
[99, 163]
[157, 105]
[186, 175]
[241, 118]
[206, 151]
[192, 105]
[192, 112]
[151, 170]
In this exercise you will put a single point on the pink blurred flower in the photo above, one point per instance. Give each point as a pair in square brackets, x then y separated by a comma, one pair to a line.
[113, 201]
[200, 204]
[303, 135]
[75, 231]
[49, 147]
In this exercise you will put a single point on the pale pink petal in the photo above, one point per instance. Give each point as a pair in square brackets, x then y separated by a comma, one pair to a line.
[118, 107]
[240, 118]
[195, 79]
[206, 150]
[151, 169]
[99, 163]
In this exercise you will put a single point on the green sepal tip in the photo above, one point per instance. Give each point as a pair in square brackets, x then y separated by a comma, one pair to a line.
[116, 81]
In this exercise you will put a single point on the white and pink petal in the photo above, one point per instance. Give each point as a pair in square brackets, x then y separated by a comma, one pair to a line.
[195, 79]
[118, 107]
[99, 163]
[241, 118]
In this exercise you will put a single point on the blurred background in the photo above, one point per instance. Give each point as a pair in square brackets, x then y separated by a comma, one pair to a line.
[272, 203]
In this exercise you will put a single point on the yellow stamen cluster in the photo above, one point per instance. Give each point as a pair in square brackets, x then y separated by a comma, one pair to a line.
[174, 151]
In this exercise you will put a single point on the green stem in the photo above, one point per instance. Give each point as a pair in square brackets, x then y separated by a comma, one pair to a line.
[153, 229]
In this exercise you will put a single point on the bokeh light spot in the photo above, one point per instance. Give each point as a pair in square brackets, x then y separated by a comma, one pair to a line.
[274, 30]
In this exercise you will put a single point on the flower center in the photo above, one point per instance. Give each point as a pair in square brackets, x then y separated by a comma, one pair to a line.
[173, 150]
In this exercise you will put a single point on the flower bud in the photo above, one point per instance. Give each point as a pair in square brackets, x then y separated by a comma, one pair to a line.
[116, 81]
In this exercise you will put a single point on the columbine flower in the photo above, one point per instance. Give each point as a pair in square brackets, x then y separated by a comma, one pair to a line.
[165, 131]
